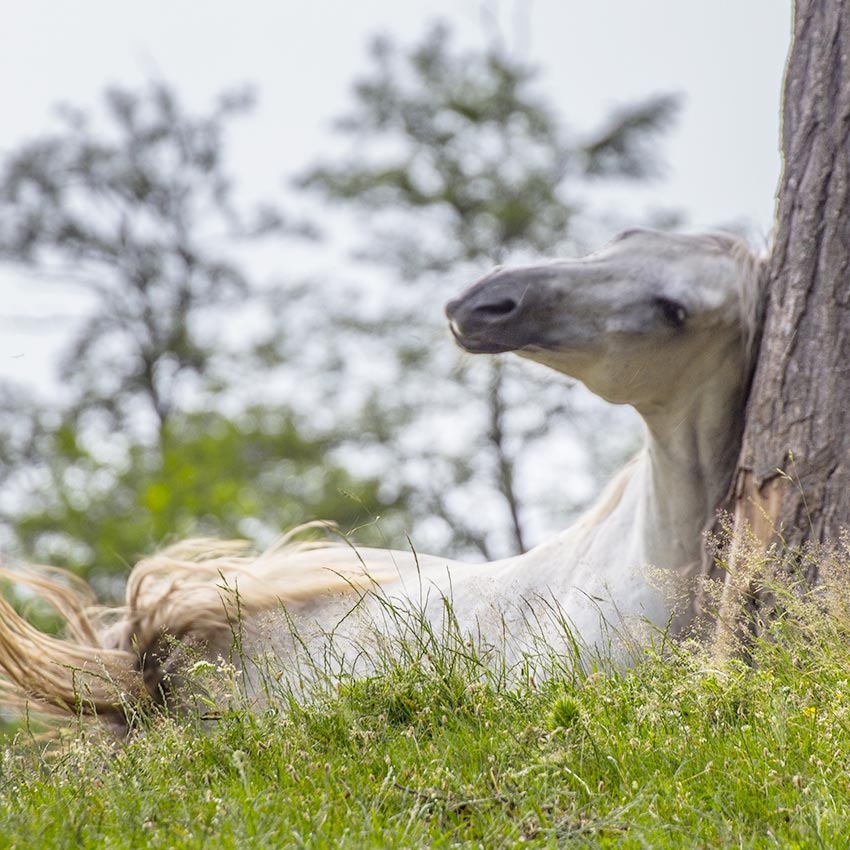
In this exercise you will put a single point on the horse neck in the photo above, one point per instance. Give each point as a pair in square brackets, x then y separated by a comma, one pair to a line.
[692, 445]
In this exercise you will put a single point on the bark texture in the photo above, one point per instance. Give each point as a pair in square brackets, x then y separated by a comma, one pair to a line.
[793, 479]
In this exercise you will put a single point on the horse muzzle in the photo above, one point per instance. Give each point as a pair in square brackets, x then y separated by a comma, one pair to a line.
[494, 315]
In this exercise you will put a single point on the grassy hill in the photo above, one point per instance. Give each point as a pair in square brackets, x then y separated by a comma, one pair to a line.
[440, 751]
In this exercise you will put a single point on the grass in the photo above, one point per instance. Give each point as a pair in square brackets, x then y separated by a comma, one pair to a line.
[434, 751]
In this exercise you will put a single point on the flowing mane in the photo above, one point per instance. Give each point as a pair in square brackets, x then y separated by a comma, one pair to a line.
[667, 323]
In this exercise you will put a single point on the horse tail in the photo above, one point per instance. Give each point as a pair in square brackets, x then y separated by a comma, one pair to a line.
[78, 673]
[188, 601]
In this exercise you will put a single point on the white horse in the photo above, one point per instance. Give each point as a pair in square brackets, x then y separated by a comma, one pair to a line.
[663, 322]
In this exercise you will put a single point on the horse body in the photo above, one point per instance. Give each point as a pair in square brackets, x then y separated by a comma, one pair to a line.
[629, 562]
[654, 320]
[662, 322]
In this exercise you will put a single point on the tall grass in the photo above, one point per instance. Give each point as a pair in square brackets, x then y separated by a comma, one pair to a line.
[438, 744]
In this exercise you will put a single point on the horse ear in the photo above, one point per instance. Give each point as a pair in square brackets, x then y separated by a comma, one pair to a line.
[630, 231]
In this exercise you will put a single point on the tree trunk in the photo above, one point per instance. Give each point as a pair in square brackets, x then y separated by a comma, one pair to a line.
[793, 477]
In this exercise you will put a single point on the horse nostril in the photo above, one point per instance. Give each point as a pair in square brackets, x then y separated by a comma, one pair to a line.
[496, 309]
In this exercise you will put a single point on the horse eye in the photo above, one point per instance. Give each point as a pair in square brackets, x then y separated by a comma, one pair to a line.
[673, 312]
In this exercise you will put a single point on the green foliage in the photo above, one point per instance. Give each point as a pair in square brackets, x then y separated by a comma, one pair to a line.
[134, 208]
[252, 476]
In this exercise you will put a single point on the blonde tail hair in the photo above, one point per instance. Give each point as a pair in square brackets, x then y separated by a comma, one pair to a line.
[113, 662]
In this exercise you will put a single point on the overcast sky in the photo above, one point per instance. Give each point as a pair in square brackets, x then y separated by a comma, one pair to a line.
[725, 56]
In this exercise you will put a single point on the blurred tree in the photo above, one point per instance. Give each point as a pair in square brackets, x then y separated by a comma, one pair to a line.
[459, 164]
[137, 211]
[251, 476]
[134, 213]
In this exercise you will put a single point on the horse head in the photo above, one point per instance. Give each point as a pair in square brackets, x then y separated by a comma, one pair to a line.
[638, 321]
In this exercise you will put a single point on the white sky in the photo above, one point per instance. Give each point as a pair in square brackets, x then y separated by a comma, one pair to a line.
[726, 56]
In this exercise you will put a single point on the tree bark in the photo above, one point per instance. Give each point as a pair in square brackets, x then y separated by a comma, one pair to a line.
[793, 477]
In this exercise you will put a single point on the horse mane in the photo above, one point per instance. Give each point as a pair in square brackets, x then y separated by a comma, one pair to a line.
[192, 595]
[608, 499]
